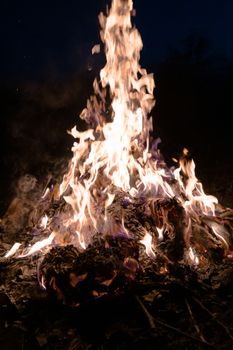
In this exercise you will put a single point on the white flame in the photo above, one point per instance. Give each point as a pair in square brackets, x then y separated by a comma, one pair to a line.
[13, 250]
[81, 240]
[39, 245]
[104, 158]
[44, 222]
[221, 234]
[147, 242]
[115, 154]
[45, 193]
[193, 256]
[95, 49]
[160, 232]
[197, 201]
[42, 283]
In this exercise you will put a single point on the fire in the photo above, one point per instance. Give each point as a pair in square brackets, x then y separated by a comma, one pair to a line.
[44, 222]
[115, 153]
[193, 257]
[13, 250]
[39, 245]
[147, 241]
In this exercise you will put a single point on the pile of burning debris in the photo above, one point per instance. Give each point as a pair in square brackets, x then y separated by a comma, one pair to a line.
[125, 252]
[115, 294]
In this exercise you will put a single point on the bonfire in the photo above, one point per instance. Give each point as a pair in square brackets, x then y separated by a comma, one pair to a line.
[121, 222]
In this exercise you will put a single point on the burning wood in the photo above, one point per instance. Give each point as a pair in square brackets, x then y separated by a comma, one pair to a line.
[120, 215]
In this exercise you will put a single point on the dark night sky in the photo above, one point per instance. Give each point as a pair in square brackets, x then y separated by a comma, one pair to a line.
[56, 36]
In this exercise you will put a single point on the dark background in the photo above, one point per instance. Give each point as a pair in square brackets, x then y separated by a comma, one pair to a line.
[47, 70]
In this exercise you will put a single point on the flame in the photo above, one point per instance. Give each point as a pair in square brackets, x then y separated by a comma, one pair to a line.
[115, 153]
[46, 192]
[44, 222]
[221, 233]
[13, 250]
[146, 241]
[42, 282]
[104, 158]
[160, 232]
[197, 202]
[81, 240]
[39, 245]
[193, 256]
